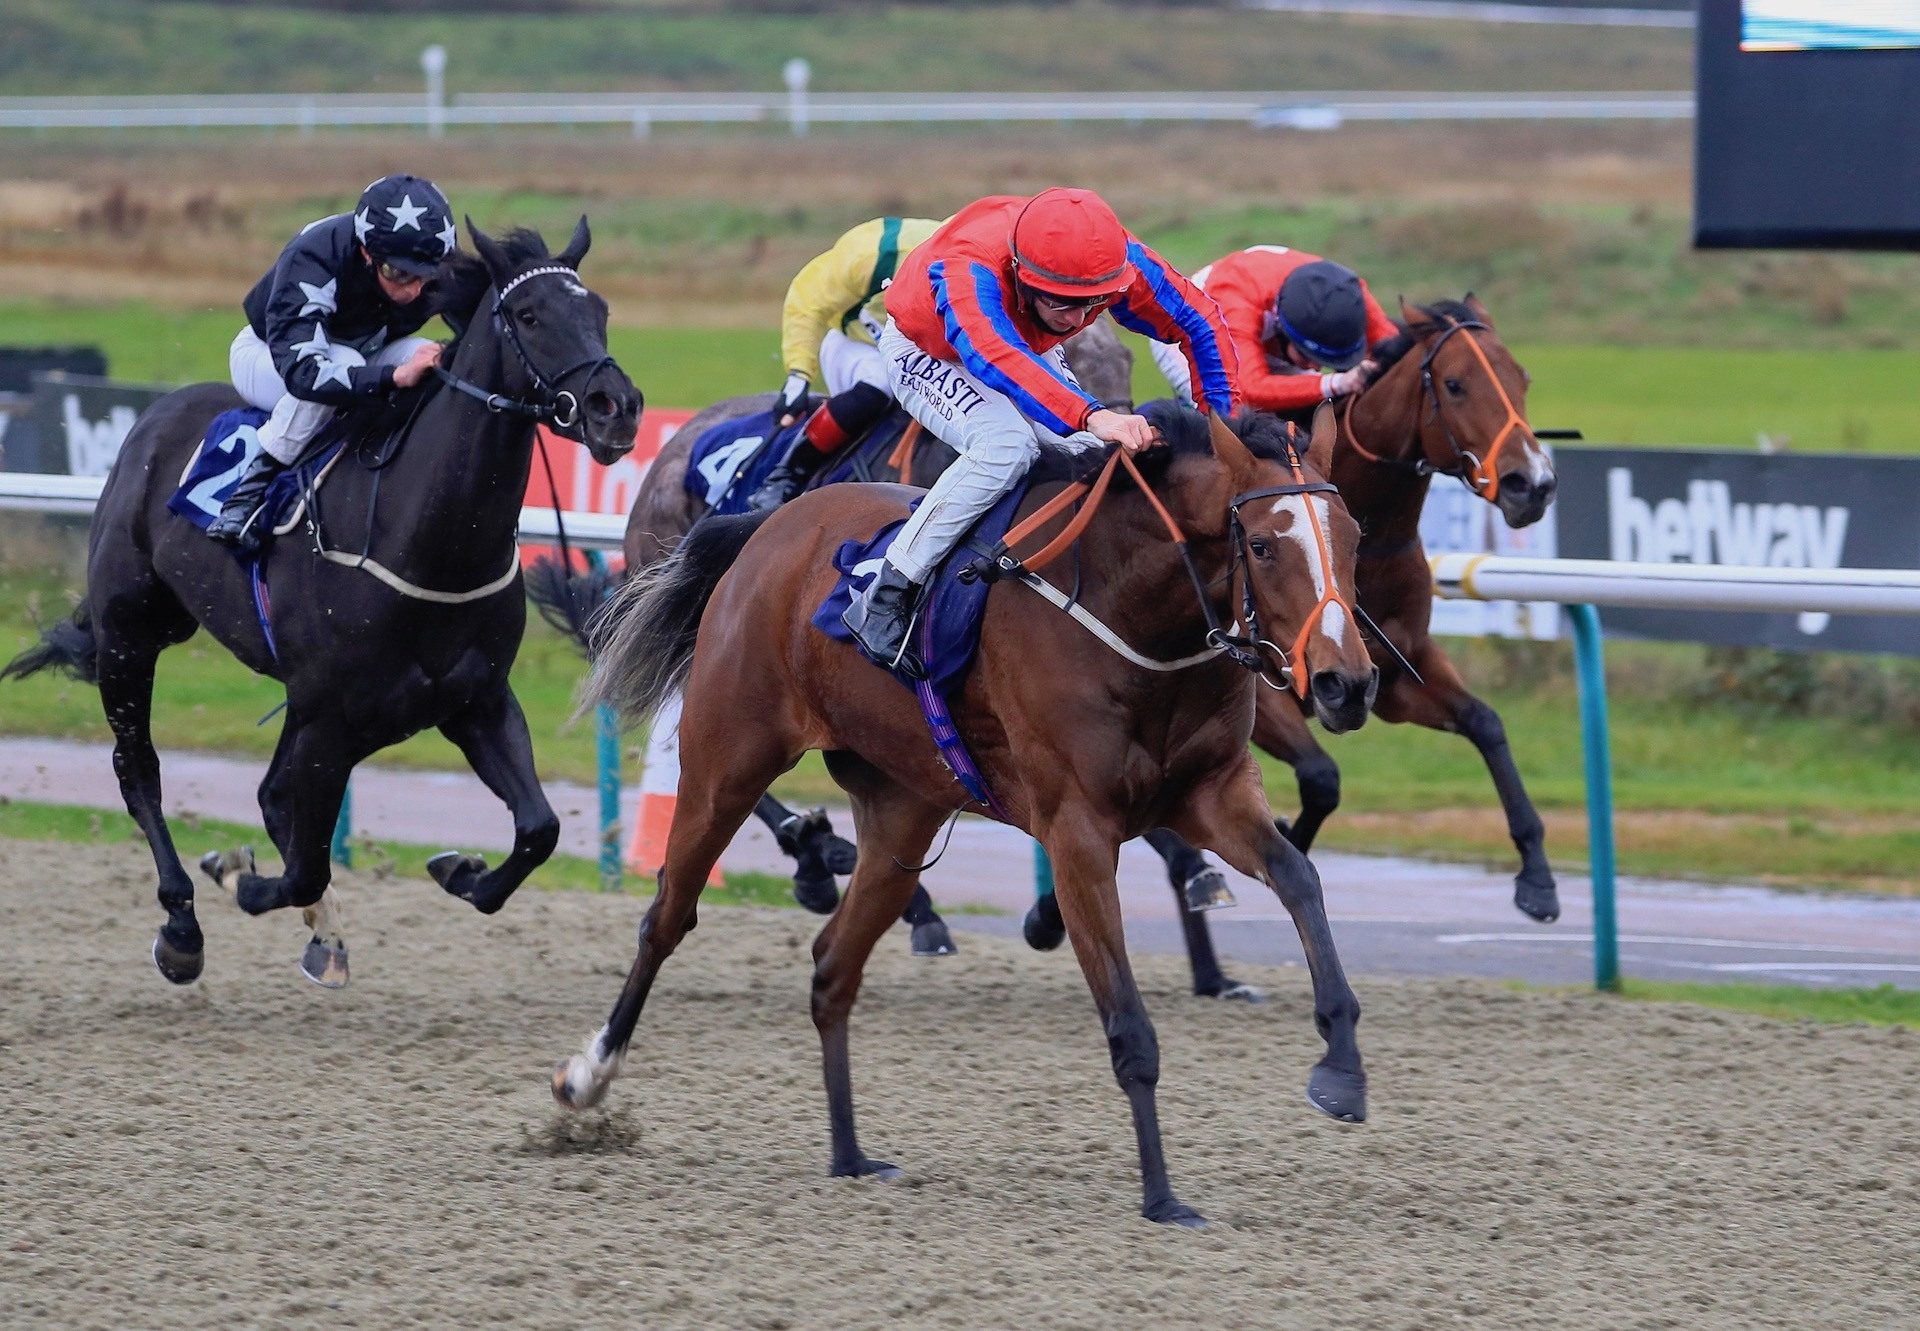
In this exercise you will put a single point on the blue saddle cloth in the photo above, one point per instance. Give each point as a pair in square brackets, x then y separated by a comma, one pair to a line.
[731, 459]
[947, 636]
[232, 442]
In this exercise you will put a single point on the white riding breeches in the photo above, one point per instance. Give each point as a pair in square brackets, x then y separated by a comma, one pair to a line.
[996, 443]
[846, 361]
[1173, 363]
[294, 421]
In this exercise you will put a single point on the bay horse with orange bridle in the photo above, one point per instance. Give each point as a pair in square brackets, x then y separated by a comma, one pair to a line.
[1450, 400]
[665, 509]
[1083, 746]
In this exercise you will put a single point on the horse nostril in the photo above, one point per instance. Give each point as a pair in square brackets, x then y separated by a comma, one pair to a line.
[602, 404]
[1518, 484]
[1330, 688]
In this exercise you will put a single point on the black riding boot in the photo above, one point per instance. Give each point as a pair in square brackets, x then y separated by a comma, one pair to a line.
[789, 478]
[882, 619]
[235, 525]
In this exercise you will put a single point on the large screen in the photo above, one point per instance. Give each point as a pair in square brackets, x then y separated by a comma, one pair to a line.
[1807, 134]
[1828, 25]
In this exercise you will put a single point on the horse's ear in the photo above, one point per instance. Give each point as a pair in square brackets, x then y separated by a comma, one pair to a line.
[498, 265]
[1477, 310]
[576, 249]
[1320, 443]
[1227, 446]
[1410, 315]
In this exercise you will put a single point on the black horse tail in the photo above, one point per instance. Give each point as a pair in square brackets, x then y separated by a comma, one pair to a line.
[570, 602]
[642, 648]
[68, 645]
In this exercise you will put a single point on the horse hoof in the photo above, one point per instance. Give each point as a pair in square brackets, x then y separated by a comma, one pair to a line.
[1337, 1094]
[325, 966]
[1173, 1212]
[1232, 991]
[224, 867]
[868, 1168]
[177, 965]
[1206, 889]
[575, 1086]
[1043, 928]
[451, 869]
[819, 894]
[1537, 900]
[932, 940]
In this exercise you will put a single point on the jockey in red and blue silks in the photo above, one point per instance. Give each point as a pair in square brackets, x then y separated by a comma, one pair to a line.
[977, 316]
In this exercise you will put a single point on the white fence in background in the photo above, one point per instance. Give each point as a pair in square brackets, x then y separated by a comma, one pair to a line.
[32, 492]
[1487, 11]
[643, 111]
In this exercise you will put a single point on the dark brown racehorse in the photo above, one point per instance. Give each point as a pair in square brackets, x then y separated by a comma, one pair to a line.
[1083, 747]
[1450, 400]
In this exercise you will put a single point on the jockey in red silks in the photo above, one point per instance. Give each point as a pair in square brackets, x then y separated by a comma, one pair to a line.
[1301, 325]
[978, 313]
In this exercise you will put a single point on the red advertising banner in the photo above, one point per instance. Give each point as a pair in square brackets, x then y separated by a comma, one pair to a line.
[587, 487]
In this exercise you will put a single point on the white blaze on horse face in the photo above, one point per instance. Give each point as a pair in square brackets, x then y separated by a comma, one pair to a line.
[1301, 529]
[1539, 467]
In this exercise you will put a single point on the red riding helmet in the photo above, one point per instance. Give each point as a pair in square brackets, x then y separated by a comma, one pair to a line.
[1068, 243]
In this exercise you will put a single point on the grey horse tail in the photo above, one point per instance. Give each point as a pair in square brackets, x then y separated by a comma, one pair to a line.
[642, 647]
[68, 646]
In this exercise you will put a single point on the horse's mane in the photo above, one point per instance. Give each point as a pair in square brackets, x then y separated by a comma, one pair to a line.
[455, 292]
[1391, 352]
[1187, 434]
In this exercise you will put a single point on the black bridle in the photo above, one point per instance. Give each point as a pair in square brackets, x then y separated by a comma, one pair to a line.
[1244, 649]
[552, 396]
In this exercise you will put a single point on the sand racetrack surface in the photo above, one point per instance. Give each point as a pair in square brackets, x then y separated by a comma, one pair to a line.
[255, 1151]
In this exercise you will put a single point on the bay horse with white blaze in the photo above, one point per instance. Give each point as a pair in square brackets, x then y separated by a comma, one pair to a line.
[1083, 747]
[397, 608]
[665, 509]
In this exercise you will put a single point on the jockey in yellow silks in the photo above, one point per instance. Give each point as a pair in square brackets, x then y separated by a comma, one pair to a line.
[826, 336]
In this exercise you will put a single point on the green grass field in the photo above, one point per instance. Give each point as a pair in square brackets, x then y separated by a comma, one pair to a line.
[138, 46]
[1881, 1006]
[1857, 401]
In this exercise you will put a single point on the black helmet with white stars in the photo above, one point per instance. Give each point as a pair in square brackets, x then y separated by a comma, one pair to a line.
[407, 222]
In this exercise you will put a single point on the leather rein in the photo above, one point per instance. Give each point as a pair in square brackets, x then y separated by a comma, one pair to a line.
[1243, 649]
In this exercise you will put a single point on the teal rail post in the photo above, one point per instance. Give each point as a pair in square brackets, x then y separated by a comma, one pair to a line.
[607, 728]
[1042, 872]
[343, 829]
[1593, 736]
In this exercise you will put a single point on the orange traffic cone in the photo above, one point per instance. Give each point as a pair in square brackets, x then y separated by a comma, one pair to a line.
[659, 792]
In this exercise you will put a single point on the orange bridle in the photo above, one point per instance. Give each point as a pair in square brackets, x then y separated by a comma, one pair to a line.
[1480, 475]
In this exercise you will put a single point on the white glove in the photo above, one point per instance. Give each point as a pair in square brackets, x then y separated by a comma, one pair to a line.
[1342, 382]
[793, 394]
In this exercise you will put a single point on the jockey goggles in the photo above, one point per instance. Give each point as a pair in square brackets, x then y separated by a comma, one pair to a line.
[400, 277]
[1038, 296]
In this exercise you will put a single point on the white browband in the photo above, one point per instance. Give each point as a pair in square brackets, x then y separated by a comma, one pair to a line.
[536, 272]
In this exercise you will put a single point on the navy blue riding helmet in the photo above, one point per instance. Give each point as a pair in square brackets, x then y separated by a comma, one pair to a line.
[405, 221]
[1321, 310]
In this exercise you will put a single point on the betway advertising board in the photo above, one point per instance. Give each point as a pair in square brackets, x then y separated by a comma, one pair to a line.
[1777, 511]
